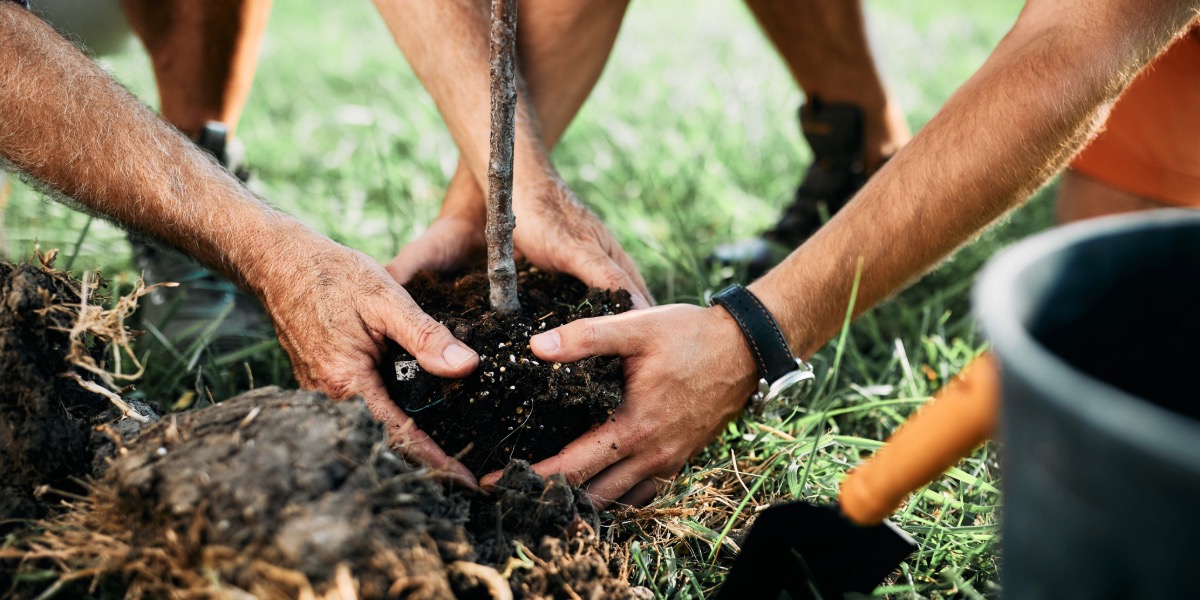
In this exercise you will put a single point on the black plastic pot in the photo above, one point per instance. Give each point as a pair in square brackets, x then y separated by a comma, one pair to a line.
[1097, 328]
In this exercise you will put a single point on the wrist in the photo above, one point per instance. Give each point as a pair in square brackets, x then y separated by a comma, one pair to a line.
[742, 373]
[274, 252]
[795, 329]
[783, 379]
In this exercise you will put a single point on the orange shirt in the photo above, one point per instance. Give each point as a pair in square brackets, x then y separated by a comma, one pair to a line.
[1150, 145]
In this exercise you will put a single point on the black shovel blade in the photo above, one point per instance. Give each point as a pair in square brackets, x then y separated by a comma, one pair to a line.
[813, 552]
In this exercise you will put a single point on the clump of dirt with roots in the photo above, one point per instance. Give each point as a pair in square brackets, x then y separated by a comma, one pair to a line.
[273, 493]
[514, 406]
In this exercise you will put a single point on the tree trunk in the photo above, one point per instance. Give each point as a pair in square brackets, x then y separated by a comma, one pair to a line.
[502, 271]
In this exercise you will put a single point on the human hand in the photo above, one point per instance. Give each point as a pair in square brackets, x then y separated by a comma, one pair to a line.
[452, 240]
[688, 372]
[333, 315]
[556, 232]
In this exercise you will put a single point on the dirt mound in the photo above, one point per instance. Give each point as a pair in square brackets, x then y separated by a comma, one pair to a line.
[514, 406]
[273, 493]
[284, 493]
[48, 421]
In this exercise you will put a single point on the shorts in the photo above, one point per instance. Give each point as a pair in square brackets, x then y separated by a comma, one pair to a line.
[1150, 145]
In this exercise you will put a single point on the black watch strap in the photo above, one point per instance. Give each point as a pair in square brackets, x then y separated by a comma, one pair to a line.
[770, 349]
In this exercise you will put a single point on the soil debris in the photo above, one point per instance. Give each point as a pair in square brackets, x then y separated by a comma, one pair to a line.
[49, 371]
[287, 494]
[514, 406]
[271, 494]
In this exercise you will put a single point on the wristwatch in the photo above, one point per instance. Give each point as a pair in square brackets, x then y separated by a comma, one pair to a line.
[783, 378]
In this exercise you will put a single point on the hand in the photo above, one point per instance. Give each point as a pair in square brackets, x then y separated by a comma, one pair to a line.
[454, 239]
[688, 372]
[333, 315]
[451, 241]
[558, 233]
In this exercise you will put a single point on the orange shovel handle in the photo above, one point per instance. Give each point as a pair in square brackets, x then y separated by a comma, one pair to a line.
[961, 416]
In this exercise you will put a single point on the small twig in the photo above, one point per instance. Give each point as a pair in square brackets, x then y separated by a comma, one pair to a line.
[125, 409]
[775, 432]
[502, 269]
[733, 461]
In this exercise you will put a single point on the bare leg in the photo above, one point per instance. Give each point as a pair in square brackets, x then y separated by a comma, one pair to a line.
[563, 46]
[824, 44]
[1081, 197]
[204, 55]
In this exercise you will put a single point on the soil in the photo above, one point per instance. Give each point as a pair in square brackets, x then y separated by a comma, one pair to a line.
[273, 493]
[48, 423]
[514, 406]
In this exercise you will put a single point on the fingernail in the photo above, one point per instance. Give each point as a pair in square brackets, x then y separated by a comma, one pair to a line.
[639, 301]
[546, 342]
[456, 355]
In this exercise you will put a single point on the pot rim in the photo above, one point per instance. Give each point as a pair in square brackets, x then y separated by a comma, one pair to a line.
[1135, 421]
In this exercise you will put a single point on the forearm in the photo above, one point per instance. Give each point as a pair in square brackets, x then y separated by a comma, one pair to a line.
[563, 46]
[68, 125]
[1000, 137]
[446, 42]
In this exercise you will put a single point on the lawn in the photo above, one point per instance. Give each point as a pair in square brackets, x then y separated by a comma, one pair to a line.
[690, 139]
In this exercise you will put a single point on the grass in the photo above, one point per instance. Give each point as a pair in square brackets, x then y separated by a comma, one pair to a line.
[689, 140]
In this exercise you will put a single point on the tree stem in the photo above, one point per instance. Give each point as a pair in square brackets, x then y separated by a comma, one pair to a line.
[502, 270]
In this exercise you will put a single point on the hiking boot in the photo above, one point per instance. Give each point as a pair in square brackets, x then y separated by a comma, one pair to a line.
[205, 310]
[835, 132]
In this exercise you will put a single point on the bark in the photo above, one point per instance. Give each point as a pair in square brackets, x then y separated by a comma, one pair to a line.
[502, 271]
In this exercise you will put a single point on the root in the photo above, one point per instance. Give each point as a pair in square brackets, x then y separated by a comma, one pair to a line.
[497, 585]
[121, 405]
[106, 326]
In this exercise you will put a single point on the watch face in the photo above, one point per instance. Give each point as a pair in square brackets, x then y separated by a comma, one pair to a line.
[787, 392]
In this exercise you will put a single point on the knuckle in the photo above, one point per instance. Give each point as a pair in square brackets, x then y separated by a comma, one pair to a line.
[662, 458]
[577, 477]
[424, 334]
[587, 335]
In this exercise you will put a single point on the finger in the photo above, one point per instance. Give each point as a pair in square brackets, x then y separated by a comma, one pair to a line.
[599, 270]
[626, 263]
[617, 335]
[434, 347]
[404, 435]
[412, 259]
[640, 495]
[447, 244]
[630, 481]
[580, 460]
[617, 481]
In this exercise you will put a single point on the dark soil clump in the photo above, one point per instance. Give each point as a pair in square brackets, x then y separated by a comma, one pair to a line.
[514, 406]
[283, 494]
[272, 493]
[48, 422]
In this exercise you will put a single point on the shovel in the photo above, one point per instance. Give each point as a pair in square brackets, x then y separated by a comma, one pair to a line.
[829, 551]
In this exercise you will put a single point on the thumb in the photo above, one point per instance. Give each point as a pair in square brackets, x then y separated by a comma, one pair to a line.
[434, 347]
[617, 335]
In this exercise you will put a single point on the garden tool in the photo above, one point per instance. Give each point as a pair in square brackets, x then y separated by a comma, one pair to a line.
[829, 551]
